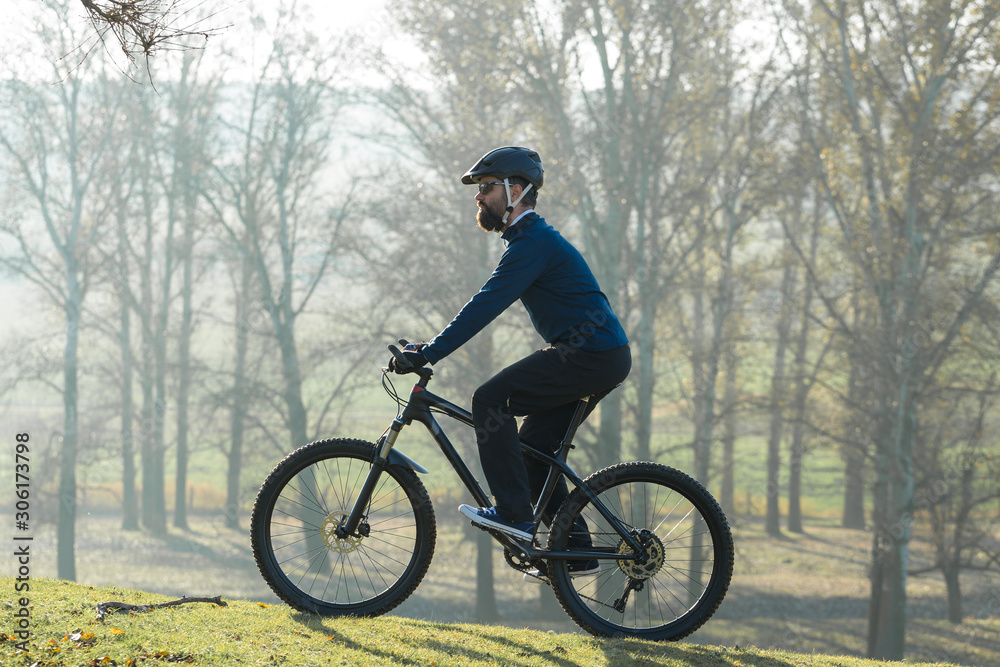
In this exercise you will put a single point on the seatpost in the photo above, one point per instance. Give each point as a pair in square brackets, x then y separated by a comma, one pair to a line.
[574, 423]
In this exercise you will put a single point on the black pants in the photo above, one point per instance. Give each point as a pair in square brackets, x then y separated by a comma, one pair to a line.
[544, 388]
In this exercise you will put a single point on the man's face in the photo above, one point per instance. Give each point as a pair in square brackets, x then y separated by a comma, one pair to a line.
[491, 205]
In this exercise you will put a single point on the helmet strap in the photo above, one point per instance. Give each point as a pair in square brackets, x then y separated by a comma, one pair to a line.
[512, 204]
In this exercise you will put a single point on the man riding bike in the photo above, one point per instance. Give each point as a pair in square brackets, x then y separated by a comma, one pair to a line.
[587, 352]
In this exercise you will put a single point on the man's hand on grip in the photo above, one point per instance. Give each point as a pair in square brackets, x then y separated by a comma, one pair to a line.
[412, 358]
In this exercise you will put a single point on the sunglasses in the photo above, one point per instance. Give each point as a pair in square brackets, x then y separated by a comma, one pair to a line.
[484, 186]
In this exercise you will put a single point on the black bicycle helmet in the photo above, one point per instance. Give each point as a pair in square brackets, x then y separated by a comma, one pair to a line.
[506, 162]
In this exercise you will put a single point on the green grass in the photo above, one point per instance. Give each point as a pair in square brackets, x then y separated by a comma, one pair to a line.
[66, 632]
[801, 593]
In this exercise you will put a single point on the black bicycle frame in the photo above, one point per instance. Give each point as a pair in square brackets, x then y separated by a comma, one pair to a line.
[418, 408]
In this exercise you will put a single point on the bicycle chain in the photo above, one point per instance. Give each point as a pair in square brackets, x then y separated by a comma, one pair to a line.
[526, 567]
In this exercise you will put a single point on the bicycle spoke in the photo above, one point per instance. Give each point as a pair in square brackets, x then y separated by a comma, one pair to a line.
[309, 562]
[662, 587]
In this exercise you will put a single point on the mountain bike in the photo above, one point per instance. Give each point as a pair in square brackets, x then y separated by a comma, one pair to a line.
[344, 526]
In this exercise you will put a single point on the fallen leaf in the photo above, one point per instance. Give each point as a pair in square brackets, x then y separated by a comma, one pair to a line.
[265, 606]
[116, 631]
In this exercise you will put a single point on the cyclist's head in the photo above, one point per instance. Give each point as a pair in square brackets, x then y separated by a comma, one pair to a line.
[512, 165]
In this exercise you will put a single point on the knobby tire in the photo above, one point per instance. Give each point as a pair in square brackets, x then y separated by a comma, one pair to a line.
[307, 566]
[690, 554]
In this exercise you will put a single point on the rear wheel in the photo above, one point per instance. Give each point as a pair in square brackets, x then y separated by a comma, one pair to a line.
[294, 540]
[682, 572]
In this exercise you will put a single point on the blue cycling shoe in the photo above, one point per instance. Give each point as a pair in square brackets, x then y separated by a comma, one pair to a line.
[487, 517]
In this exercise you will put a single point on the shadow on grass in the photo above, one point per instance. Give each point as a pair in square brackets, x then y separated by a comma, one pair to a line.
[633, 652]
[939, 639]
[745, 602]
[224, 547]
[518, 649]
[482, 644]
[478, 644]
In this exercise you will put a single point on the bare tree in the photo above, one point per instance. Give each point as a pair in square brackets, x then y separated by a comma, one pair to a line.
[959, 482]
[267, 196]
[146, 243]
[779, 395]
[192, 102]
[55, 137]
[906, 167]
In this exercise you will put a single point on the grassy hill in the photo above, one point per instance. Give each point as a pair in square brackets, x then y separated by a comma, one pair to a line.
[66, 632]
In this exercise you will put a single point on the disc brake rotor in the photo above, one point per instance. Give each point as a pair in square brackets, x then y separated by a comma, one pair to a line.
[341, 545]
[643, 568]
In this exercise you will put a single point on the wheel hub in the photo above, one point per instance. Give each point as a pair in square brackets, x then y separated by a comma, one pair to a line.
[341, 545]
[648, 563]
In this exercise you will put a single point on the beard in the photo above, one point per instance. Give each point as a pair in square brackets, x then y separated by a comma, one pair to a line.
[490, 219]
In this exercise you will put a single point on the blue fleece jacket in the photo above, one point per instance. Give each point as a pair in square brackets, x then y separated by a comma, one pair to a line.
[554, 283]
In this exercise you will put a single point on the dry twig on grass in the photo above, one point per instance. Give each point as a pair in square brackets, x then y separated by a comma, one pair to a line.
[105, 608]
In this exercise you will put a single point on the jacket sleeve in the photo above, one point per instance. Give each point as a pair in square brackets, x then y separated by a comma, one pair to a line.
[519, 267]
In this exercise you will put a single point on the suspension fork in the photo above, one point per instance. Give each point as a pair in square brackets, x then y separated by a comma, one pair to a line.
[349, 526]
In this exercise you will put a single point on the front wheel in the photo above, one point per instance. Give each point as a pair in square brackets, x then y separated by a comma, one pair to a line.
[679, 578]
[293, 531]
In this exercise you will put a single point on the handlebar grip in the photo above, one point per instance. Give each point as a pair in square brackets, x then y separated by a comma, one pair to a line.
[401, 360]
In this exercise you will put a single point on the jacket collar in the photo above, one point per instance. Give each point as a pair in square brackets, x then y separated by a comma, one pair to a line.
[522, 223]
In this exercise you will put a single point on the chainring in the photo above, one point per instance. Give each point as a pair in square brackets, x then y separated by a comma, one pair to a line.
[523, 565]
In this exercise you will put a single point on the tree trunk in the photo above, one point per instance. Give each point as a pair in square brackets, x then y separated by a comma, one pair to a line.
[854, 488]
[66, 536]
[184, 388]
[486, 601]
[858, 381]
[803, 385]
[773, 513]
[235, 455]
[609, 445]
[801, 391]
[158, 512]
[154, 325]
[646, 333]
[954, 588]
[647, 381]
[610, 432]
[146, 439]
[297, 423]
[727, 489]
[130, 505]
[890, 558]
